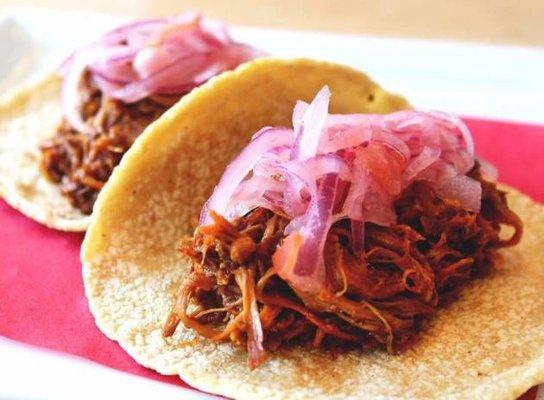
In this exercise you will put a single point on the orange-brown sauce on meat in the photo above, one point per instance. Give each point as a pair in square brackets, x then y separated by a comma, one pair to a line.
[81, 163]
[378, 297]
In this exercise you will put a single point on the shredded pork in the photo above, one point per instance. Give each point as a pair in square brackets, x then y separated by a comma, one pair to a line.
[375, 297]
[82, 163]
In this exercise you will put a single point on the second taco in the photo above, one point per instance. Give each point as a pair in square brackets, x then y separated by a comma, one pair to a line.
[63, 135]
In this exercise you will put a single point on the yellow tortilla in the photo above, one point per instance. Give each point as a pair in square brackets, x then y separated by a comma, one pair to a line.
[27, 117]
[489, 344]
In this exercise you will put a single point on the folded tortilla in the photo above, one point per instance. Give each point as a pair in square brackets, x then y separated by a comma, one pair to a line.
[28, 116]
[489, 344]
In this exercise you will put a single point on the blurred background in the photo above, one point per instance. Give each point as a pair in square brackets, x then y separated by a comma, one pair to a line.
[470, 57]
[490, 21]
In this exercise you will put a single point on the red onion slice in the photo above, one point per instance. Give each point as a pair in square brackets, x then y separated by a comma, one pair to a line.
[333, 167]
[324, 164]
[295, 177]
[309, 127]
[463, 189]
[252, 193]
[419, 163]
[457, 123]
[121, 33]
[307, 272]
[154, 56]
[70, 98]
[264, 141]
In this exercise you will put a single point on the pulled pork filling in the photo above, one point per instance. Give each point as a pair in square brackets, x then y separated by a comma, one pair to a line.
[82, 163]
[376, 297]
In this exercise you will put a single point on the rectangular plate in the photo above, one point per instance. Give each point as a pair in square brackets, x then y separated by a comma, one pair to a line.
[486, 81]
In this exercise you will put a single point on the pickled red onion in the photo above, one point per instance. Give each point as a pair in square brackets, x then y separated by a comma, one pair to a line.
[304, 172]
[263, 142]
[153, 56]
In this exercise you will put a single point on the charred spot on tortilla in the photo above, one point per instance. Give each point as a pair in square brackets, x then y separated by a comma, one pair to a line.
[347, 231]
[114, 88]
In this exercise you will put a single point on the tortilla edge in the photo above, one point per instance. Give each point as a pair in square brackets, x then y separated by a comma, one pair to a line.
[19, 95]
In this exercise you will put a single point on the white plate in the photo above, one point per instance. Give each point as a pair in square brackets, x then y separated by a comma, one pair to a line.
[486, 81]
[30, 373]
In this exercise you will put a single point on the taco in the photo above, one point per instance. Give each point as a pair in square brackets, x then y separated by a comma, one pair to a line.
[63, 135]
[339, 255]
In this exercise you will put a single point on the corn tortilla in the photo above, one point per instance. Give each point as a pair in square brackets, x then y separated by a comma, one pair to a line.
[488, 345]
[28, 116]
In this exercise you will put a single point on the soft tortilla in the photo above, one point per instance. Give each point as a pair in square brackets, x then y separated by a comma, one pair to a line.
[27, 117]
[487, 345]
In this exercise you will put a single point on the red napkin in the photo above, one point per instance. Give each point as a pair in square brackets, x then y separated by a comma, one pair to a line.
[41, 292]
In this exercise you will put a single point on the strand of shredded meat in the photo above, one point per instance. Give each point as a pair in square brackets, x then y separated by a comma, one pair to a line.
[82, 163]
[376, 297]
